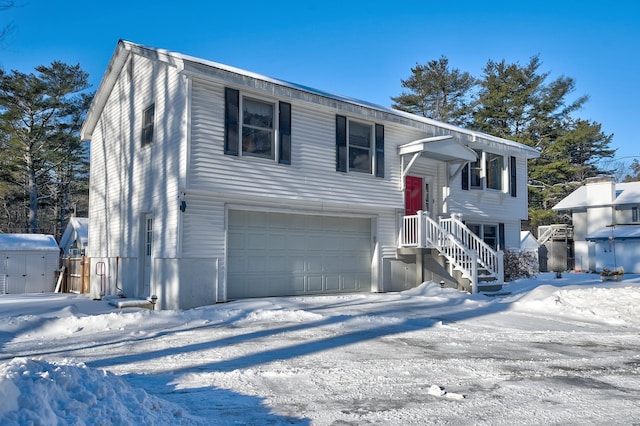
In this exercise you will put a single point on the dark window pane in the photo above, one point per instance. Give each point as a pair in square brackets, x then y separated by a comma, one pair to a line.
[257, 142]
[494, 167]
[256, 113]
[359, 159]
[147, 125]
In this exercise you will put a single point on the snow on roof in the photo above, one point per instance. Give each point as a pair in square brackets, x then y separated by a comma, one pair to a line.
[619, 232]
[178, 59]
[27, 242]
[528, 241]
[626, 193]
[81, 227]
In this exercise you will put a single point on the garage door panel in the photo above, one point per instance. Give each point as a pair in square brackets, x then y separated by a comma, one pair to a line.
[276, 254]
[315, 284]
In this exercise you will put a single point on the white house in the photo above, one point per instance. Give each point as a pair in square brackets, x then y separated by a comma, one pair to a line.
[606, 224]
[75, 238]
[211, 183]
[28, 263]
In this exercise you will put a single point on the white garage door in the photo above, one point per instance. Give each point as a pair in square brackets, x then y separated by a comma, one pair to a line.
[277, 254]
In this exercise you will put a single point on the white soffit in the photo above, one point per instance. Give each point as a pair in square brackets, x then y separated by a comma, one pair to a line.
[442, 148]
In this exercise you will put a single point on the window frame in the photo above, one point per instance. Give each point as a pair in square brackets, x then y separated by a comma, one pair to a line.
[354, 148]
[281, 138]
[476, 171]
[477, 175]
[246, 99]
[147, 136]
[498, 238]
[346, 146]
[494, 175]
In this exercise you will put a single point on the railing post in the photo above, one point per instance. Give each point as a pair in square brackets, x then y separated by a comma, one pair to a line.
[501, 267]
[474, 272]
[421, 231]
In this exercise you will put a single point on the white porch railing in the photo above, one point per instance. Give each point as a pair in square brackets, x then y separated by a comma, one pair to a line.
[460, 246]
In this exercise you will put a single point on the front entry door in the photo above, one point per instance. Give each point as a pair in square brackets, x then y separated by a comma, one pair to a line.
[413, 195]
[418, 195]
[147, 251]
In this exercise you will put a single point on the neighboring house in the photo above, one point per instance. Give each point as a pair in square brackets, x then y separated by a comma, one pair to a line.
[28, 263]
[606, 224]
[75, 238]
[210, 183]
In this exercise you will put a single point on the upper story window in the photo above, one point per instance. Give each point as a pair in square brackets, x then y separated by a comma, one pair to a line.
[495, 170]
[488, 172]
[256, 127]
[359, 146]
[634, 214]
[147, 124]
[475, 171]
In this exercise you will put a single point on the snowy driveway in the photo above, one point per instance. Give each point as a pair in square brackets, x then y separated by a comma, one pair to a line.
[554, 352]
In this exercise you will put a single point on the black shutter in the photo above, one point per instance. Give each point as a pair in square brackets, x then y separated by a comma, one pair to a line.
[231, 121]
[512, 177]
[379, 150]
[465, 177]
[501, 236]
[284, 128]
[341, 143]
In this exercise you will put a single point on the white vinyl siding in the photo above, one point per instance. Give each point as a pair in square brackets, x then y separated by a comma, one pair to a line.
[498, 205]
[312, 174]
[127, 179]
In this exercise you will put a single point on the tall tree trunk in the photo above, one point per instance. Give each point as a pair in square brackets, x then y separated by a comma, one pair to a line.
[32, 186]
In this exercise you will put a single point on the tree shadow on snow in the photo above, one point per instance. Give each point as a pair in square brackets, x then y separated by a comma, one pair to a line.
[214, 405]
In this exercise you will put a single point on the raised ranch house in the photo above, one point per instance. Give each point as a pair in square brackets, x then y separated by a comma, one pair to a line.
[210, 183]
[606, 224]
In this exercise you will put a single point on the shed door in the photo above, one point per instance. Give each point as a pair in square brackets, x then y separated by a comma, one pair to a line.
[26, 273]
[278, 254]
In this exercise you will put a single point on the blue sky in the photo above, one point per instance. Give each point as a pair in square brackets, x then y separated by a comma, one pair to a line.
[360, 49]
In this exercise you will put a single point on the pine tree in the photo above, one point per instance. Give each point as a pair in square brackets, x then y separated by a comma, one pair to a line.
[634, 176]
[516, 103]
[437, 92]
[40, 119]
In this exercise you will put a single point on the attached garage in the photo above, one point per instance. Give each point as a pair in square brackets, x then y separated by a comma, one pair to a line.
[284, 254]
[28, 263]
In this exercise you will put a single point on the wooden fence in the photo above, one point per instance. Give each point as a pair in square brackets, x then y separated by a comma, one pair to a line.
[75, 274]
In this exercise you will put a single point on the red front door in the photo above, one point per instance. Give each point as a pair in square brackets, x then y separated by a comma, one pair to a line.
[413, 197]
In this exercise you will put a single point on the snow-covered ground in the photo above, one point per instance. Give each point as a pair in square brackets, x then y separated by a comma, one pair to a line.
[554, 351]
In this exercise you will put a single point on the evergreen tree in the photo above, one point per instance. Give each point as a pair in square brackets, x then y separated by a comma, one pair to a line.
[40, 119]
[437, 92]
[516, 103]
[634, 175]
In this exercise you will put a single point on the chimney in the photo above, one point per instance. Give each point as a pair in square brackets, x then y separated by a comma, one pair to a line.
[600, 190]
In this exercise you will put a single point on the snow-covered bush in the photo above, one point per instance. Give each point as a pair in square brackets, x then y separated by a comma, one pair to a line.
[520, 264]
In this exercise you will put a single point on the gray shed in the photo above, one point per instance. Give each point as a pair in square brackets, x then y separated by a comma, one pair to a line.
[28, 263]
